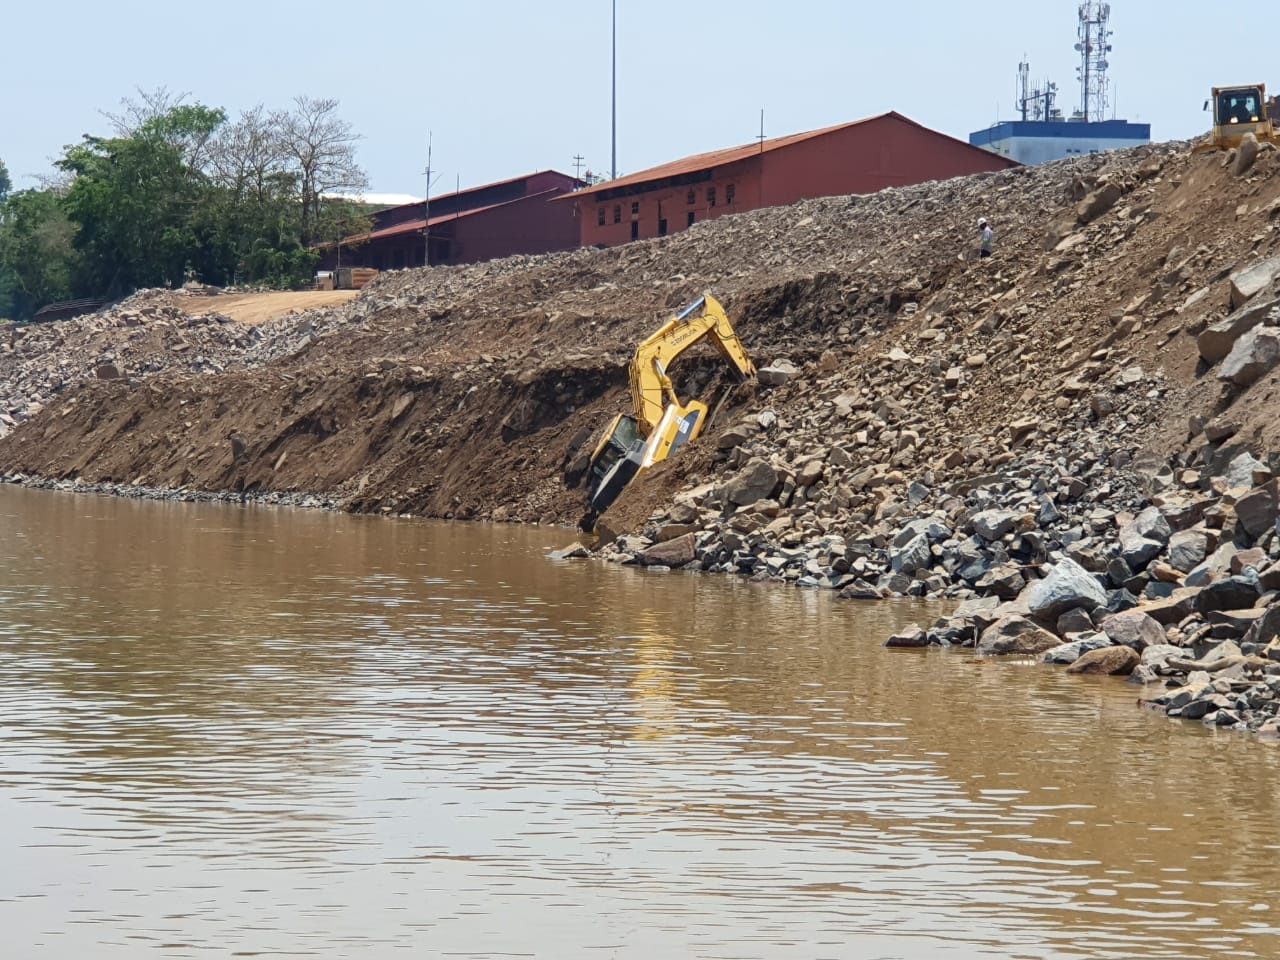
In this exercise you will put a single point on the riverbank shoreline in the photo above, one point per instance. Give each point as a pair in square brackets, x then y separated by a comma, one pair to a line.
[1092, 410]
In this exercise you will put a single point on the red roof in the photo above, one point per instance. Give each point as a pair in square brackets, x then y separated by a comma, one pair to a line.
[417, 226]
[720, 158]
[483, 186]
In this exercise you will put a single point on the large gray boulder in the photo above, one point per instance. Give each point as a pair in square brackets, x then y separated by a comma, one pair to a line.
[931, 527]
[1016, 635]
[673, 553]
[913, 636]
[1258, 509]
[1144, 538]
[777, 373]
[1253, 356]
[1265, 629]
[1068, 586]
[757, 480]
[1133, 629]
[1156, 654]
[1252, 280]
[993, 524]
[1069, 653]
[1241, 470]
[1187, 549]
[911, 557]
[1216, 341]
[1214, 567]
[1098, 202]
[1232, 593]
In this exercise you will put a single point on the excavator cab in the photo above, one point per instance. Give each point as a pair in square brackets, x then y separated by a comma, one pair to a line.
[616, 460]
[1238, 111]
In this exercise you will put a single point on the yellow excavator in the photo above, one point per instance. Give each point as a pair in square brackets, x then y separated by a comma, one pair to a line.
[1241, 110]
[660, 424]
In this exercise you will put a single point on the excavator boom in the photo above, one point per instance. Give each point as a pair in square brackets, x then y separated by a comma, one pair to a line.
[660, 424]
[704, 319]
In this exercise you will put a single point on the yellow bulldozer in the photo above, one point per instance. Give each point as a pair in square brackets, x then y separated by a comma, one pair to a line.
[660, 424]
[1238, 111]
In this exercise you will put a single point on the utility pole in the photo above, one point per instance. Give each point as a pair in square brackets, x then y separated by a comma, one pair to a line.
[614, 167]
[577, 166]
[426, 209]
[761, 136]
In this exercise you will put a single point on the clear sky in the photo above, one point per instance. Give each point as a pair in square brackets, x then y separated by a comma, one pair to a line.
[507, 87]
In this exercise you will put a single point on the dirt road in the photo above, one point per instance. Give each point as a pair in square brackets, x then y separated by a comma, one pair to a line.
[260, 307]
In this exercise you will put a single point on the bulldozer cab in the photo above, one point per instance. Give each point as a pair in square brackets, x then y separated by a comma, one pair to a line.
[1237, 105]
[1238, 111]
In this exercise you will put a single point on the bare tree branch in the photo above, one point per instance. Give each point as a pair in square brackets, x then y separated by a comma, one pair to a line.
[321, 149]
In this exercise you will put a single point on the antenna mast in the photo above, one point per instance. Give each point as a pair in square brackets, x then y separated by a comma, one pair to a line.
[426, 209]
[1093, 47]
[613, 169]
[1035, 103]
[1024, 87]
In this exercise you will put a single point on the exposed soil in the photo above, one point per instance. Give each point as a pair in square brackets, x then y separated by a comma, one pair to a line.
[261, 307]
[475, 392]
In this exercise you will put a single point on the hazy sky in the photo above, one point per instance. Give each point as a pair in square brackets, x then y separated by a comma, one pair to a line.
[508, 87]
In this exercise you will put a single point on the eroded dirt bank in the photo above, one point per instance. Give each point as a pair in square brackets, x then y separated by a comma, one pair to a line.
[1072, 382]
[468, 390]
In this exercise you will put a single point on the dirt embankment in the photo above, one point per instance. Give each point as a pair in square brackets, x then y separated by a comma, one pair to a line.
[474, 391]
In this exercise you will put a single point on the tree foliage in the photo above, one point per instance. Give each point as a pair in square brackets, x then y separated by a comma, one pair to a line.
[179, 191]
[136, 202]
[37, 260]
[5, 183]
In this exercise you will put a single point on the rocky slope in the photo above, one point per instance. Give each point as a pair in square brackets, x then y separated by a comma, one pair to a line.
[931, 425]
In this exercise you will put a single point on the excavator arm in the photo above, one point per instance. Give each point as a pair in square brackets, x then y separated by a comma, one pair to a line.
[660, 423]
[651, 389]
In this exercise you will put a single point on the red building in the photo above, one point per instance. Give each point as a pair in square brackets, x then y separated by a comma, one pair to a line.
[861, 157]
[481, 223]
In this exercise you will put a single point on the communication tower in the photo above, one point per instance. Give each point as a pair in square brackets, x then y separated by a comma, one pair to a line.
[1093, 47]
[1036, 103]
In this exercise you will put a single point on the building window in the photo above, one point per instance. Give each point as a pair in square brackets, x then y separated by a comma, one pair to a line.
[617, 213]
[662, 227]
[635, 229]
[729, 192]
[693, 197]
[711, 196]
[635, 208]
[693, 218]
[600, 217]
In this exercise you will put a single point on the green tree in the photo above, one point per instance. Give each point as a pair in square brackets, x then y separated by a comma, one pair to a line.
[134, 200]
[5, 183]
[38, 261]
[343, 223]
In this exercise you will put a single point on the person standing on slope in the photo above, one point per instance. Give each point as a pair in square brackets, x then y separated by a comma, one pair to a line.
[985, 237]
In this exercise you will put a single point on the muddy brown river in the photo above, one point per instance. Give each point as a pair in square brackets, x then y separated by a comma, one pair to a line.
[236, 731]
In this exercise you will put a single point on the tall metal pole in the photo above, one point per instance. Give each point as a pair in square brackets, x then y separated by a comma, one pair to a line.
[614, 167]
[426, 210]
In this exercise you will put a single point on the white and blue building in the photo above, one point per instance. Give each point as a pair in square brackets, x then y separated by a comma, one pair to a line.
[1032, 142]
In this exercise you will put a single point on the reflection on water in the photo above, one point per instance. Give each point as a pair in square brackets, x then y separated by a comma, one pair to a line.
[246, 731]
